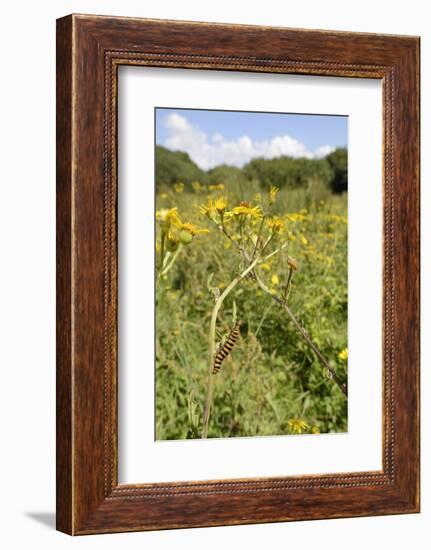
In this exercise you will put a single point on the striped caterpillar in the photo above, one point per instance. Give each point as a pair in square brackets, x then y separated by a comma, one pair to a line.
[226, 349]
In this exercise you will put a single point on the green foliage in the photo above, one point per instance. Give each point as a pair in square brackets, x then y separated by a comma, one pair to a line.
[287, 172]
[175, 166]
[337, 161]
[284, 172]
[272, 383]
[225, 173]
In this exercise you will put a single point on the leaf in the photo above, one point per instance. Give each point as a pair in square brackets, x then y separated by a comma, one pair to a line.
[193, 411]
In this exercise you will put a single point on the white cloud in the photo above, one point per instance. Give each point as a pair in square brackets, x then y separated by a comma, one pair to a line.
[209, 151]
[323, 150]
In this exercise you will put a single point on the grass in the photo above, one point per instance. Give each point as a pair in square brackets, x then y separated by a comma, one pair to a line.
[272, 383]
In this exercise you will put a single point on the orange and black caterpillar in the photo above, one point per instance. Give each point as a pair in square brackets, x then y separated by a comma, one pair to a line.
[226, 349]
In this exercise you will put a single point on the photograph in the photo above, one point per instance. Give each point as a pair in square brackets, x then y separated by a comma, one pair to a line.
[211, 304]
[251, 283]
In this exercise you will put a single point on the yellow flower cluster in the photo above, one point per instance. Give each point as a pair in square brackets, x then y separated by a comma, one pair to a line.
[214, 206]
[275, 225]
[174, 230]
[216, 187]
[272, 194]
[246, 209]
[343, 355]
[219, 206]
[168, 217]
[297, 426]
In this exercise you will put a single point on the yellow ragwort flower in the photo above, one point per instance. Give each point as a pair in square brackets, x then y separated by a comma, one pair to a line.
[273, 190]
[179, 187]
[275, 280]
[220, 204]
[297, 426]
[276, 225]
[245, 209]
[343, 355]
[314, 429]
[208, 209]
[167, 217]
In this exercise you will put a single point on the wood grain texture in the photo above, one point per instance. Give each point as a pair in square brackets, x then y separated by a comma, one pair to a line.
[64, 497]
[90, 49]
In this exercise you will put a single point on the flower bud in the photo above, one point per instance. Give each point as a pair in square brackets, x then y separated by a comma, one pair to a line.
[185, 236]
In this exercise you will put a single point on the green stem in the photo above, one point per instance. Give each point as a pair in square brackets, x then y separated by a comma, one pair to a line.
[212, 342]
[162, 250]
[266, 243]
[274, 252]
[222, 229]
[287, 287]
[259, 234]
[171, 263]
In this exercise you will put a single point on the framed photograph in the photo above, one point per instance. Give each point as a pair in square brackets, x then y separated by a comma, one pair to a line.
[237, 274]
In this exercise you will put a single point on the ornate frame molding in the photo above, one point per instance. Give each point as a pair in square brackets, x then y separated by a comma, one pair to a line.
[90, 49]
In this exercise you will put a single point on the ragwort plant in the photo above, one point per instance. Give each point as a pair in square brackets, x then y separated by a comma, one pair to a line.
[255, 234]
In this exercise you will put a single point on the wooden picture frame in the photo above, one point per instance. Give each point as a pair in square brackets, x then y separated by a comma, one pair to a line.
[89, 51]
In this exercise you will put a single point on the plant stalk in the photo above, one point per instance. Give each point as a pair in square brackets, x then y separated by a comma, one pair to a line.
[304, 334]
[212, 342]
[172, 261]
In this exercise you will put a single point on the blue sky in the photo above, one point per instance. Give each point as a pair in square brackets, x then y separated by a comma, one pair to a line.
[232, 137]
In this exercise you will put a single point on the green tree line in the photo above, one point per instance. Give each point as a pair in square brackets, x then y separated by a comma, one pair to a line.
[176, 166]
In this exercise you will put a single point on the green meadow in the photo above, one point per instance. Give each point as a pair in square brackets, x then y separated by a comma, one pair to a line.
[287, 219]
